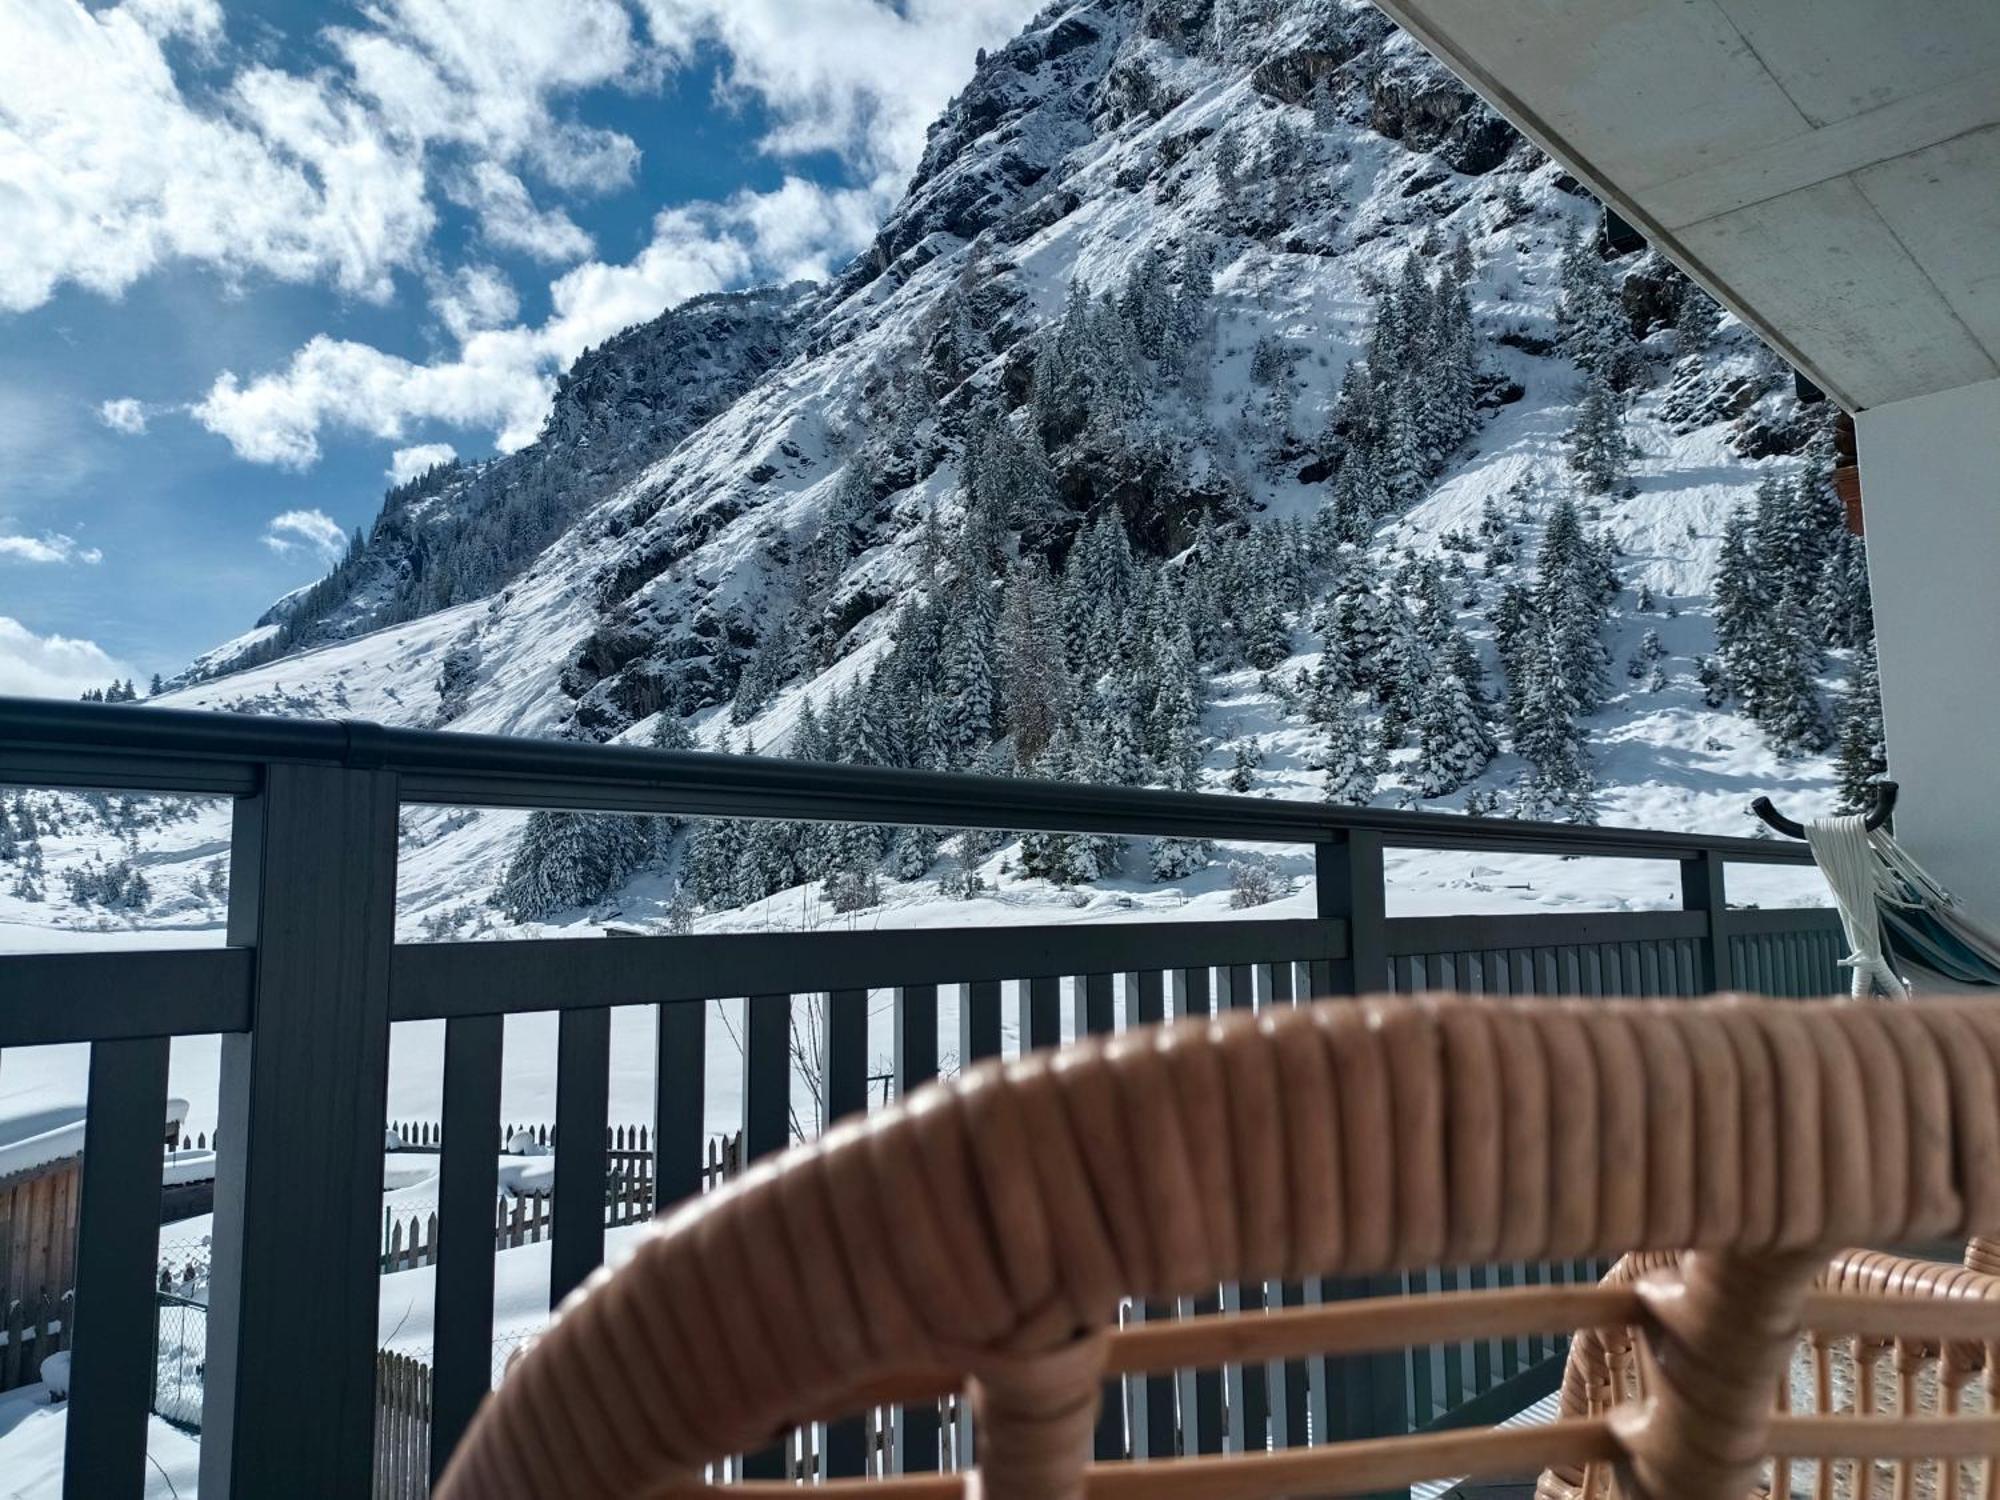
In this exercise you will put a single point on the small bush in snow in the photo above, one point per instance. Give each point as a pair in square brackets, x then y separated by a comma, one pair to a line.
[960, 884]
[1252, 882]
[852, 890]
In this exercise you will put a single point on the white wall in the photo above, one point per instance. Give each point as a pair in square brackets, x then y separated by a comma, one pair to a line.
[1930, 493]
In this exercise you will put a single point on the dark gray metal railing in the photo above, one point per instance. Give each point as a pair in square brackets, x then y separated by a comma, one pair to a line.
[312, 978]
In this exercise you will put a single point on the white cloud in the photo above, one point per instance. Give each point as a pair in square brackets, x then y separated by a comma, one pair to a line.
[501, 379]
[509, 219]
[305, 530]
[110, 168]
[864, 78]
[51, 666]
[49, 547]
[123, 414]
[107, 170]
[406, 464]
[474, 297]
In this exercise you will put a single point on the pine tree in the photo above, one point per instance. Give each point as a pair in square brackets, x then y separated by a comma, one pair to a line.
[566, 859]
[1454, 742]
[1342, 754]
[1051, 856]
[1035, 681]
[1591, 322]
[1784, 699]
[1596, 443]
[1863, 758]
[851, 512]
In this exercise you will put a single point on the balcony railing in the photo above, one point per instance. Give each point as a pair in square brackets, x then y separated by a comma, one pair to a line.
[311, 980]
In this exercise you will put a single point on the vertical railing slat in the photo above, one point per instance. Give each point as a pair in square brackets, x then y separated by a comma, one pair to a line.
[679, 1134]
[767, 1130]
[915, 1024]
[468, 1190]
[979, 1022]
[583, 1097]
[1153, 1418]
[1040, 1002]
[845, 1084]
[105, 1446]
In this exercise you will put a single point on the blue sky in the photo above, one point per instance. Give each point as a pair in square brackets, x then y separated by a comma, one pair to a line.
[260, 255]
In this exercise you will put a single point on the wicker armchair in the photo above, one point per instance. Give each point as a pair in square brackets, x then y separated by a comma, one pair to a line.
[982, 1233]
[1859, 1375]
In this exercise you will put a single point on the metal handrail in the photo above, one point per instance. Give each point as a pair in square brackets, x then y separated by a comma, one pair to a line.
[61, 744]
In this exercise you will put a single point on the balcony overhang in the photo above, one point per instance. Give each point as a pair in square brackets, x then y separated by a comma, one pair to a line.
[1830, 171]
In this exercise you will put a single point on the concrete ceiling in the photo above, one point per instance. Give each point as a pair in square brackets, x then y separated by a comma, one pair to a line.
[1830, 169]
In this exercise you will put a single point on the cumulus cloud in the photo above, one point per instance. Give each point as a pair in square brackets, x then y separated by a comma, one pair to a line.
[472, 298]
[124, 414]
[305, 531]
[49, 547]
[863, 78]
[51, 666]
[110, 167]
[407, 463]
[501, 378]
[509, 219]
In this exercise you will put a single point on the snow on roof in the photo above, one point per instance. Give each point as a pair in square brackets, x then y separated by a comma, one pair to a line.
[41, 1125]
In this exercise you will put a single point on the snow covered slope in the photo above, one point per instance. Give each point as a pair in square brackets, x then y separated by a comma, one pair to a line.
[781, 499]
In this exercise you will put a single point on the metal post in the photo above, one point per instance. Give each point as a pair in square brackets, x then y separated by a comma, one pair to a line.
[113, 1341]
[468, 1187]
[845, 1082]
[678, 1130]
[767, 1130]
[583, 1094]
[1702, 890]
[915, 1019]
[1368, 1395]
[1040, 1012]
[289, 1398]
[1351, 886]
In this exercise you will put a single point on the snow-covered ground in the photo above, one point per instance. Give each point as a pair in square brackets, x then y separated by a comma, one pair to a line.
[33, 1429]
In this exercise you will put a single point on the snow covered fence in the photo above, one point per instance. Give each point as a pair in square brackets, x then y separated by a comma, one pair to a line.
[526, 1218]
[29, 1333]
[402, 1427]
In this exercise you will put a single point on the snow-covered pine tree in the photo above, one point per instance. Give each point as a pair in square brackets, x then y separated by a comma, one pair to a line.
[1863, 757]
[1591, 322]
[1784, 698]
[565, 860]
[1343, 755]
[850, 515]
[1596, 442]
[1454, 741]
[1547, 733]
[1035, 682]
[1570, 602]
[1052, 856]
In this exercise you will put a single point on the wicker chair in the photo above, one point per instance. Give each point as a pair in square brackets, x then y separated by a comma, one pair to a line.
[1873, 1376]
[982, 1234]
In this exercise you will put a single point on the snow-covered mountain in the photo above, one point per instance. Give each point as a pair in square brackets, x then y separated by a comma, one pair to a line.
[1229, 402]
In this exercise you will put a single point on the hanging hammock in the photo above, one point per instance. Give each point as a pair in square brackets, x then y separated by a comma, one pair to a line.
[1905, 930]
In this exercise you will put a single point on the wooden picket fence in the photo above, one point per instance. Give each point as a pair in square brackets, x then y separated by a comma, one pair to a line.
[402, 1427]
[33, 1329]
[523, 1218]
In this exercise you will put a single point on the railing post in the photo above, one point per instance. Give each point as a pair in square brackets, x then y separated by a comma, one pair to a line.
[1702, 890]
[1351, 887]
[117, 1231]
[289, 1399]
[845, 1075]
[1366, 1395]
